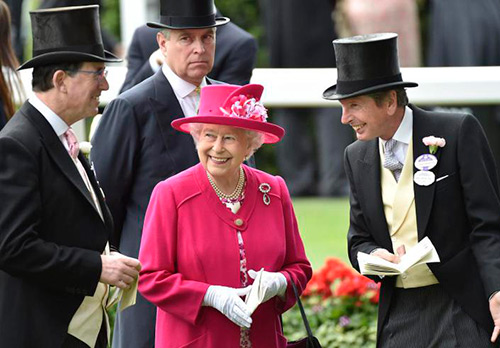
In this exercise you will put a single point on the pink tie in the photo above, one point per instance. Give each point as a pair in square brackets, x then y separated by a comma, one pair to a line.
[74, 146]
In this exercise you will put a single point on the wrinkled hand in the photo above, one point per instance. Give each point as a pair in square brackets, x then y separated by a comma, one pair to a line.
[119, 270]
[273, 283]
[386, 255]
[495, 314]
[228, 301]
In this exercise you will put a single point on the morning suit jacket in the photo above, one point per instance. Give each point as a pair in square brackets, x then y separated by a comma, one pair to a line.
[51, 234]
[235, 55]
[460, 212]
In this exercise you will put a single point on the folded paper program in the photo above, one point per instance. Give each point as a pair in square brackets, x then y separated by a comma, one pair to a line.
[256, 295]
[423, 252]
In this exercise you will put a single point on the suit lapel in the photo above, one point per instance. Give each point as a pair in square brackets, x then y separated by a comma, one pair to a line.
[165, 107]
[56, 151]
[424, 195]
[369, 179]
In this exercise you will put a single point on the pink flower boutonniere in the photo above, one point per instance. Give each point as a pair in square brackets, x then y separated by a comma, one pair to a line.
[433, 143]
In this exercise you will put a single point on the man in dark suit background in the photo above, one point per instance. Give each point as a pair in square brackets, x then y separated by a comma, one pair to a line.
[403, 190]
[299, 35]
[234, 57]
[55, 260]
[134, 146]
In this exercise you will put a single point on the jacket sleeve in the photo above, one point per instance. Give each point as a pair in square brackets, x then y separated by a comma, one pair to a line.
[482, 200]
[159, 281]
[358, 236]
[296, 267]
[23, 252]
[115, 147]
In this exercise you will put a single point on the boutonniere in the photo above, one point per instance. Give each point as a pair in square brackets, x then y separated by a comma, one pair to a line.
[85, 148]
[425, 162]
[433, 143]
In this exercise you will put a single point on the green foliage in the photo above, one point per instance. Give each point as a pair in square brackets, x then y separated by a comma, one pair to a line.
[110, 16]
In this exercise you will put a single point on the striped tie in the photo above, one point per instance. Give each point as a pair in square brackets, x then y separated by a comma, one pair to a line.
[390, 160]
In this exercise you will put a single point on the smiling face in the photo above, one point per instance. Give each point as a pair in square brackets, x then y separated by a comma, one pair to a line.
[370, 120]
[189, 52]
[83, 91]
[221, 150]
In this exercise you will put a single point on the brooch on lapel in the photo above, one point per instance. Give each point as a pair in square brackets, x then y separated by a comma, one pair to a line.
[424, 163]
[265, 188]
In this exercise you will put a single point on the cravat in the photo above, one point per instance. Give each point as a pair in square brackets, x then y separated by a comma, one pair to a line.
[391, 162]
[74, 146]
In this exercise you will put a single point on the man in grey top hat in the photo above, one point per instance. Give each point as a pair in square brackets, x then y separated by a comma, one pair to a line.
[55, 260]
[134, 146]
[416, 174]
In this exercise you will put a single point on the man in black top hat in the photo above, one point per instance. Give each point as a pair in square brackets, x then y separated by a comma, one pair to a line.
[55, 259]
[134, 146]
[233, 63]
[416, 174]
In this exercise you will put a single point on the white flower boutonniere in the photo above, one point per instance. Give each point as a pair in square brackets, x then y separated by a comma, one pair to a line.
[433, 143]
[85, 147]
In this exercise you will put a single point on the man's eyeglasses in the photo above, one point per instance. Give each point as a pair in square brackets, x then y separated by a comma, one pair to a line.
[98, 74]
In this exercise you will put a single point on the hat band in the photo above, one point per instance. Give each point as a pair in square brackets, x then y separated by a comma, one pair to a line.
[198, 21]
[96, 50]
[348, 87]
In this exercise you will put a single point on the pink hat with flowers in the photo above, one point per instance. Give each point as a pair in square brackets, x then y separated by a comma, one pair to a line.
[235, 106]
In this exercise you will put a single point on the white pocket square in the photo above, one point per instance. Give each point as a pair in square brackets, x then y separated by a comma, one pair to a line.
[442, 178]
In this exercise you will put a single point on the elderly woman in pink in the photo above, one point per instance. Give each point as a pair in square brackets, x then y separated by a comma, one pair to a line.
[213, 228]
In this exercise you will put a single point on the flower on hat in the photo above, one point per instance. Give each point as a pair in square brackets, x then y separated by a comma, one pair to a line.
[433, 143]
[245, 106]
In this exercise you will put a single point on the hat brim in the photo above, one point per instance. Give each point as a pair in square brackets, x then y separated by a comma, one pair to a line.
[218, 22]
[272, 133]
[331, 92]
[68, 57]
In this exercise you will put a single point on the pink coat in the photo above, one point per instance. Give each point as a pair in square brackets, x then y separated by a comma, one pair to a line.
[190, 242]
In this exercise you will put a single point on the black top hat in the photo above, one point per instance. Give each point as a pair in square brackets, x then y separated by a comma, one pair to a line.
[187, 14]
[66, 35]
[366, 64]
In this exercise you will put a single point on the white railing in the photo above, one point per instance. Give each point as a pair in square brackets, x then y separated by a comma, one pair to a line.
[450, 86]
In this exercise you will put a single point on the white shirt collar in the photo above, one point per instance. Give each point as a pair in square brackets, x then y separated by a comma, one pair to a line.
[403, 133]
[181, 87]
[54, 120]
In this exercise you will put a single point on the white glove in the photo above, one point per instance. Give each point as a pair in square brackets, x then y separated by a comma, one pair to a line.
[273, 283]
[228, 301]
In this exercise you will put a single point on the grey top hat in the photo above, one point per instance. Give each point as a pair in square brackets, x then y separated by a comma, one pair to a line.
[67, 34]
[188, 14]
[366, 64]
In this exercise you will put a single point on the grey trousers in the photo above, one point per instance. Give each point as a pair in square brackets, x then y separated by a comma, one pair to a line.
[428, 318]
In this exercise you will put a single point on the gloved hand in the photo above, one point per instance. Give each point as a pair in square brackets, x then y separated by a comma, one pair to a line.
[228, 301]
[273, 283]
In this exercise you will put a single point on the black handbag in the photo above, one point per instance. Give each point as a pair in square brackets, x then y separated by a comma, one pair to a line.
[307, 342]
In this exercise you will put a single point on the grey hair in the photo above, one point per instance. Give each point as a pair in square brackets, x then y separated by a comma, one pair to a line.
[401, 96]
[255, 139]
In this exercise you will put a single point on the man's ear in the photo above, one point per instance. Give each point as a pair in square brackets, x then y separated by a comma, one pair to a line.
[59, 81]
[391, 102]
[162, 42]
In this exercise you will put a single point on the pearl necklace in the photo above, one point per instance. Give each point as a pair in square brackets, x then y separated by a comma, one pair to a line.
[237, 191]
